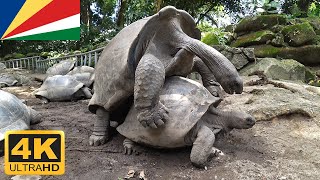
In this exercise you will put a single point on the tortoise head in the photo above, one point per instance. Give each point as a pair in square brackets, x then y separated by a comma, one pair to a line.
[171, 30]
[240, 120]
[228, 120]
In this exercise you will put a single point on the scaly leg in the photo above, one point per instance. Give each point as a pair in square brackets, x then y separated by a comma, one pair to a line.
[149, 79]
[44, 100]
[87, 92]
[208, 79]
[202, 147]
[101, 128]
[130, 147]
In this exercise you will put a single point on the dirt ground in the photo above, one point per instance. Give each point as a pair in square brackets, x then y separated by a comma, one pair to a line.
[284, 148]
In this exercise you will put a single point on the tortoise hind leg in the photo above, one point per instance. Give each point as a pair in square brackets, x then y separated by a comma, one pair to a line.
[149, 79]
[86, 92]
[130, 147]
[101, 128]
[202, 149]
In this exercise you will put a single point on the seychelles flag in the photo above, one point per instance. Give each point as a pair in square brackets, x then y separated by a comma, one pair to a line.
[40, 20]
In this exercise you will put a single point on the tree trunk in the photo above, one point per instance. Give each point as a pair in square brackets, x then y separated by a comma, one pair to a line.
[304, 6]
[158, 4]
[86, 14]
[121, 13]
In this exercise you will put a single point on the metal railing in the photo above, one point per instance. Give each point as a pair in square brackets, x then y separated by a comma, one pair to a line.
[23, 63]
[39, 64]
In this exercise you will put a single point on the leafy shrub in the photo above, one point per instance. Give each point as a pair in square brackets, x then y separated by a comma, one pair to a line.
[32, 54]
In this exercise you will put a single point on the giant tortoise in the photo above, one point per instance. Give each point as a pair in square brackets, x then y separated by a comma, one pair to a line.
[62, 88]
[193, 121]
[139, 58]
[7, 80]
[84, 74]
[61, 68]
[14, 115]
[2, 66]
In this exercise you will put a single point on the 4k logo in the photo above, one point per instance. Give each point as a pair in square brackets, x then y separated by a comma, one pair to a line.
[34, 152]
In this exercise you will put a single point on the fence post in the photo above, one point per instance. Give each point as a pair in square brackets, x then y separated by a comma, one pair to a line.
[90, 56]
[95, 58]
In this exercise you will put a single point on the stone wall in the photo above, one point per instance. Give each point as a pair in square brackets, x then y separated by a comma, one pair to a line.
[279, 37]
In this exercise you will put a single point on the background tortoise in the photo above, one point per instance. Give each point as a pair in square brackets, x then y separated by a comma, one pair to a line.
[61, 68]
[2, 66]
[14, 115]
[62, 88]
[137, 60]
[84, 74]
[193, 120]
[7, 80]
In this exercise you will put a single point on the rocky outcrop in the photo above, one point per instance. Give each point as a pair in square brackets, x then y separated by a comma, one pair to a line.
[299, 34]
[308, 55]
[239, 57]
[257, 23]
[287, 69]
[278, 37]
[260, 37]
[268, 102]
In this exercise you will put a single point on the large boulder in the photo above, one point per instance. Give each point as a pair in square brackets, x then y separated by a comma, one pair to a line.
[299, 34]
[239, 57]
[255, 38]
[268, 102]
[314, 22]
[307, 55]
[257, 23]
[287, 69]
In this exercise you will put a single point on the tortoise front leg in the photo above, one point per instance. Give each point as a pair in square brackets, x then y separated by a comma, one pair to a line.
[202, 149]
[149, 79]
[101, 128]
[208, 79]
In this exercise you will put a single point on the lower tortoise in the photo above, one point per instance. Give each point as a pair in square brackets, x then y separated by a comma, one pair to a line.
[193, 121]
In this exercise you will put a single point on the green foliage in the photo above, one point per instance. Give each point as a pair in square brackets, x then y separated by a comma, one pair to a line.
[8, 56]
[314, 10]
[210, 38]
[32, 54]
[314, 83]
[269, 7]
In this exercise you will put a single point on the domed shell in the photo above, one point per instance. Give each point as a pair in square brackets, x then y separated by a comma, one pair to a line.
[187, 101]
[7, 80]
[62, 68]
[84, 74]
[2, 66]
[14, 115]
[59, 88]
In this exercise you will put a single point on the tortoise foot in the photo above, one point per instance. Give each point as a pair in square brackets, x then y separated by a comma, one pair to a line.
[154, 118]
[216, 152]
[97, 140]
[131, 148]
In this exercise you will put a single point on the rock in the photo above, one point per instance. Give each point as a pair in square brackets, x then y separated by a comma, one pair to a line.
[255, 38]
[298, 34]
[230, 28]
[278, 41]
[2, 66]
[268, 102]
[314, 22]
[239, 57]
[257, 23]
[287, 69]
[307, 55]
